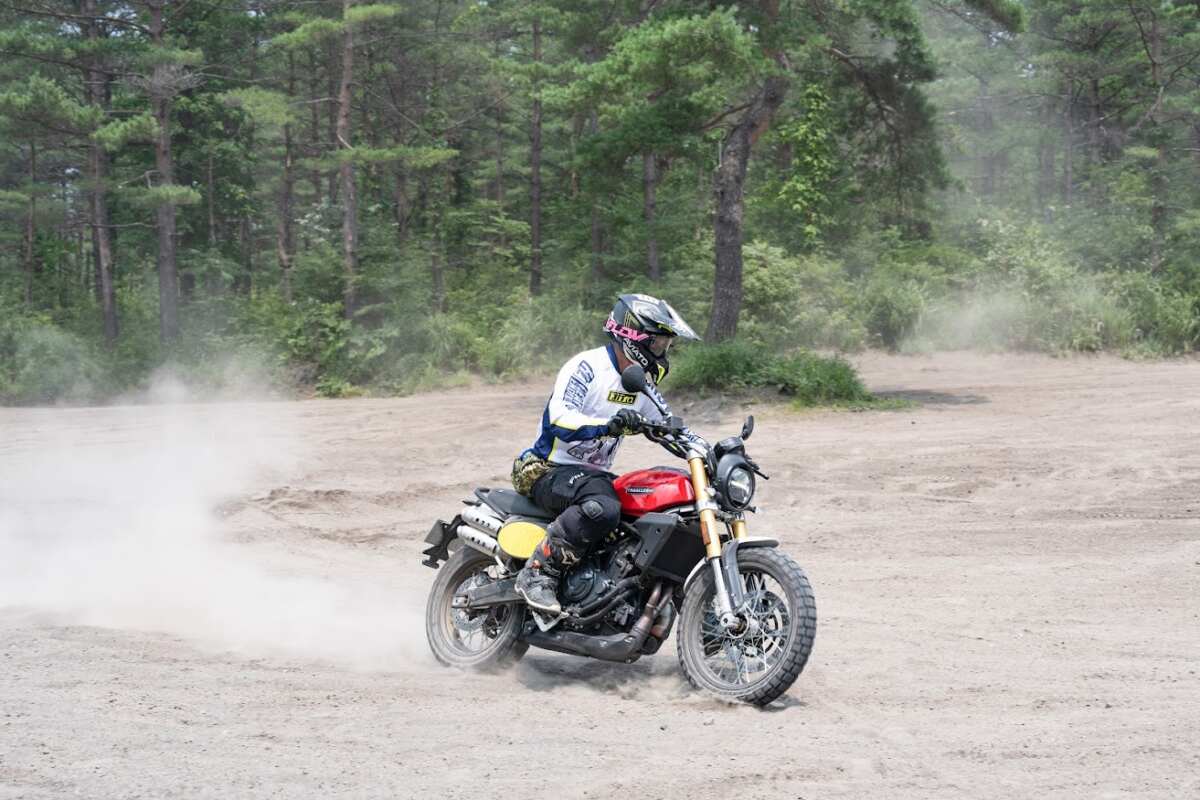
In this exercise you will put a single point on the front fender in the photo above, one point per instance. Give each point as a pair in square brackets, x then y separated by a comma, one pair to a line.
[729, 566]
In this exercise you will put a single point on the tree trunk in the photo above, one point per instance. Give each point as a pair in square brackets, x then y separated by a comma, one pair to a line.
[96, 92]
[1158, 175]
[160, 103]
[346, 169]
[437, 272]
[535, 173]
[284, 245]
[728, 183]
[597, 218]
[649, 207]
[246, 246]
[28, 257]
[101, 242]
[597, 244]
[314, 126]
[501, 238]
[402, 208]
[1068, 174]
[332, 92]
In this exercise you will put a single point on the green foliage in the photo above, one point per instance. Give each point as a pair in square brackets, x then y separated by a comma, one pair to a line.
[804, 188]
[308, 33]
[264, 106]
[932, 178]
[808, 378]
[40, 362]
[138, 128]
[798, 301]
[154, 196]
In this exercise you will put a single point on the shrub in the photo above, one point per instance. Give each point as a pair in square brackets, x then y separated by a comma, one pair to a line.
[40, 362]
[809, 378]
[892, 309]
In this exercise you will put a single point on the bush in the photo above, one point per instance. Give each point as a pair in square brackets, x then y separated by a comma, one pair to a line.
[40, 362]
[798, 301]
[809, 378]
[1163, 318]
[892, 309]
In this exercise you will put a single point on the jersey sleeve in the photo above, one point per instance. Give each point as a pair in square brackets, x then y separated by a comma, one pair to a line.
[565, 417]
[648, 410]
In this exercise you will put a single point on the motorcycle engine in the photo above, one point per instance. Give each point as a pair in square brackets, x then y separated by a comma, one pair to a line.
[596, 574]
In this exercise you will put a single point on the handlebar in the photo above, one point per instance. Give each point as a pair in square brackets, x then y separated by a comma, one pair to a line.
[666, 434]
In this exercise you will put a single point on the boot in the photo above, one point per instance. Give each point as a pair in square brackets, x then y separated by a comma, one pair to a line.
[537, 581]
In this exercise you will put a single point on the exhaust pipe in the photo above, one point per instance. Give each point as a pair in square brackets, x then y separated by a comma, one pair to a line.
[481, 519]
[480, 530]
[479, 540]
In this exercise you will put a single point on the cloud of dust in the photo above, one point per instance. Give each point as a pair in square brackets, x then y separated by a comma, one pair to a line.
[108, 518]
[981, 319]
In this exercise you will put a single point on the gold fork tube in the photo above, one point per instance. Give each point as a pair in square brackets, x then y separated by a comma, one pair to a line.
[708, 518]
[739, 529]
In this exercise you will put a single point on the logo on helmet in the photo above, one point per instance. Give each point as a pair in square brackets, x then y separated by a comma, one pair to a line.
[624, 331]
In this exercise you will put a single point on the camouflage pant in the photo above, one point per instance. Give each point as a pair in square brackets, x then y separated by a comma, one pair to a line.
[526, 470]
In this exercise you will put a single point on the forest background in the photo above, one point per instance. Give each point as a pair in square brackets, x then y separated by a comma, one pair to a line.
[386, 196]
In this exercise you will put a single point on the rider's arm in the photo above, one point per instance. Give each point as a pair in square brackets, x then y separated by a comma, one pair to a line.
[575, 381]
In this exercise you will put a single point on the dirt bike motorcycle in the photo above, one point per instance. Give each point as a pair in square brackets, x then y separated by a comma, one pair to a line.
[681, 556]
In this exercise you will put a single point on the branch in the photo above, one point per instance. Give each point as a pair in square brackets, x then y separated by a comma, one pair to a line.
[712, 123]
[78, 17]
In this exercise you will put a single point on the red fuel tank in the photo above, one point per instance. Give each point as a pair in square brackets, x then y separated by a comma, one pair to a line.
[653, 490]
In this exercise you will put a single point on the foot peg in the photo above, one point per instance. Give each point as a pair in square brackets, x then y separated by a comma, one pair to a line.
[545, 621]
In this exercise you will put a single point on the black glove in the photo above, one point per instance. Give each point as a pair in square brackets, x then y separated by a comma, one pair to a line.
[626, 421]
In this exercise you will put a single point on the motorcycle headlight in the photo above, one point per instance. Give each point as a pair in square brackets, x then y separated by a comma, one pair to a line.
[739, 487]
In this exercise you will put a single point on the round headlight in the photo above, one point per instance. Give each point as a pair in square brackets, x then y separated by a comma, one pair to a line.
[739, 487]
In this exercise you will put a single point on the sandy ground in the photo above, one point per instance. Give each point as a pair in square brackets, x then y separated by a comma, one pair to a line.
[1007, 579]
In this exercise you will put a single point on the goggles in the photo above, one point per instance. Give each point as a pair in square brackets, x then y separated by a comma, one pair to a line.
[659, 344]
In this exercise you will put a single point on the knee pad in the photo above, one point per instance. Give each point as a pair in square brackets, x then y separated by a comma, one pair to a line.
[593, 510]
[602, 511]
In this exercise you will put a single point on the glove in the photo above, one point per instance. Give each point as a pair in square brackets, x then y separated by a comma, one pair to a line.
[626, 421]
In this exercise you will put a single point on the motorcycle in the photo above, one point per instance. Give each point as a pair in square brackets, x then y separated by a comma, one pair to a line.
[680, 555]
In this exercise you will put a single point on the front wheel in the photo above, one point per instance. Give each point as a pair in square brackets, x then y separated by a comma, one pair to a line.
[484, 639]
[761, 658]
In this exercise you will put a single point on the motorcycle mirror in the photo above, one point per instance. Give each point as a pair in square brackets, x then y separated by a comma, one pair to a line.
[748, 428]
[633, 379]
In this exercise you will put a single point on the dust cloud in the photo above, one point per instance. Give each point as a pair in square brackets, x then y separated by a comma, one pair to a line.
[108, 518]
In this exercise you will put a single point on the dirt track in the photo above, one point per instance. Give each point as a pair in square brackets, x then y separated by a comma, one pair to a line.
[1007, 579]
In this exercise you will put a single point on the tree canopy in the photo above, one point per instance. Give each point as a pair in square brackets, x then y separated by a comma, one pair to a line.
[380, 193]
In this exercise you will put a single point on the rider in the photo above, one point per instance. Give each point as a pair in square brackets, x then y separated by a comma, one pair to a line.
[566, 469]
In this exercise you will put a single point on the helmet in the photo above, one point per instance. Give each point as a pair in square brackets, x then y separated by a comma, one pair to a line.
[644, 327]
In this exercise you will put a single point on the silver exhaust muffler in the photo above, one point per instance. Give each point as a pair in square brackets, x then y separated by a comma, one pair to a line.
[480, 530]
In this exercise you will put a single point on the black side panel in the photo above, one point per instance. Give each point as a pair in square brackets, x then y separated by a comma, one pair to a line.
[675, 556]
[655, 531]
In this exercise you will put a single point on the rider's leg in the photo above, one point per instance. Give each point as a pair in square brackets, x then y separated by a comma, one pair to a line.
[589, 509]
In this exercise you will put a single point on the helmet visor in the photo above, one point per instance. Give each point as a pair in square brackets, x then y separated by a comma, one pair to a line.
[659, 344]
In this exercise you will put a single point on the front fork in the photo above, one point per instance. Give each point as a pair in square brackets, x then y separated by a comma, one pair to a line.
[711, 534]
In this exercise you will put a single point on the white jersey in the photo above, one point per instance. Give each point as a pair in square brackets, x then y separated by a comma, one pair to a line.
[587, 394]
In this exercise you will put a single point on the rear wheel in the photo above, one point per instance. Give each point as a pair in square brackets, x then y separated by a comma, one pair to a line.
[484, 639]
[760, 659]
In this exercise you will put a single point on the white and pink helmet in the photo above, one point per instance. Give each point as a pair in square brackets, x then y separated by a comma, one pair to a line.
[644, 327]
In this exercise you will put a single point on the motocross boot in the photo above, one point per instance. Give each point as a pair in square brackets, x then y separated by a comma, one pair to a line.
[537, 581]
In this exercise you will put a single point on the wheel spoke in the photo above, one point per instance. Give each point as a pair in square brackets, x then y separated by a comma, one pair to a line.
[742, 657]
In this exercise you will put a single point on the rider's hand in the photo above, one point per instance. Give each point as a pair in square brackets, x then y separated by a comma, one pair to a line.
[626, 421]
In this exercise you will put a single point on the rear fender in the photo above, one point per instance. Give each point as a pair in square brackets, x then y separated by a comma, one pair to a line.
[439, 537]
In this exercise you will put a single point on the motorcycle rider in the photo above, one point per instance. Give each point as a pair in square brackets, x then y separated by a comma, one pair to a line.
[566, 470]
